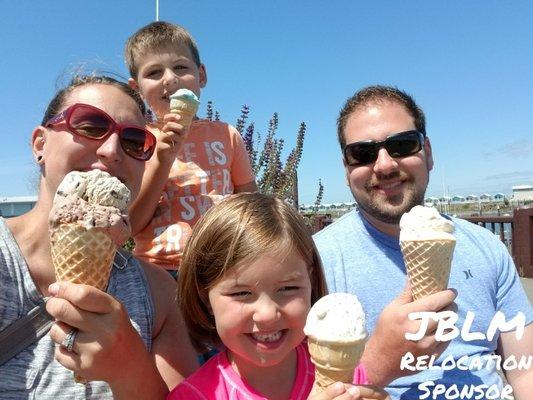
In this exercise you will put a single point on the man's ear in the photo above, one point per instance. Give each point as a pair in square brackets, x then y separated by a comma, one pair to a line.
[38, 141]
[429, 154]
[133, 84]
[202, 72]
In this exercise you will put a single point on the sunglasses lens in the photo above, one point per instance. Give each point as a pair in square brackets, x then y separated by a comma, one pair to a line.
[403, 145]
[360, 153]
[89, 123]
[137, 143]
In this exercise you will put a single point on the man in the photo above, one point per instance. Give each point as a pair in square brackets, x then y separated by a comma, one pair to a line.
[387, 159]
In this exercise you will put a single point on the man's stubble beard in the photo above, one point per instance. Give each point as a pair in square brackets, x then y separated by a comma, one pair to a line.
[391, 214]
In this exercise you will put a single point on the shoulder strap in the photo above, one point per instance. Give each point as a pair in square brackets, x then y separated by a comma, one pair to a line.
[33, 326]
[24, 331]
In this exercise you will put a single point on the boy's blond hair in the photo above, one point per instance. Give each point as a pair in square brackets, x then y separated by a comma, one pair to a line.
[154, 36]
[234, 232]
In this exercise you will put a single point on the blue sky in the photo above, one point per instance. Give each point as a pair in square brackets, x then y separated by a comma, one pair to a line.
[469, 64]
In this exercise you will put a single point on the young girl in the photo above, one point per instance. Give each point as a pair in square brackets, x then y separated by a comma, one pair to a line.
[249, 276]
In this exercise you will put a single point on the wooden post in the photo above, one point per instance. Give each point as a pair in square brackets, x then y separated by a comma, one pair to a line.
[321, 221]
[523, 241]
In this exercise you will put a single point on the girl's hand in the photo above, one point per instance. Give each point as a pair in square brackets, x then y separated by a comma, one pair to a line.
[343, 391]
[170, 134]
[106, 345]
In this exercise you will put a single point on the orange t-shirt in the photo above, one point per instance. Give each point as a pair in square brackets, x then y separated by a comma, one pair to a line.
[212, 161]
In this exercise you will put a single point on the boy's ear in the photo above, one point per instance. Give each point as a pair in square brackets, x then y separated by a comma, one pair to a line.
[133, 84]
[202, 73]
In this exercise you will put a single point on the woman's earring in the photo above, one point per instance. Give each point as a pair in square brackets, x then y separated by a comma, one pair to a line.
[39, 159]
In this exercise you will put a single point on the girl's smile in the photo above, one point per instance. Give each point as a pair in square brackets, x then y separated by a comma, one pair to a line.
[260, 308]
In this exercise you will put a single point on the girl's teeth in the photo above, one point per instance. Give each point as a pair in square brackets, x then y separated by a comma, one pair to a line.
[272, 337]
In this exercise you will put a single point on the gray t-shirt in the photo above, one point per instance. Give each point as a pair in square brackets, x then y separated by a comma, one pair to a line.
[34, 373]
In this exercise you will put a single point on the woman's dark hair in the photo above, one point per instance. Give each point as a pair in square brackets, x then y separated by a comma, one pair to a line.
[57, 102]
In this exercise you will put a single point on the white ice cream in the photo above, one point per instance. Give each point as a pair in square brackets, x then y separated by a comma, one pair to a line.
[425, 223]
[96, 187]
[337, 317]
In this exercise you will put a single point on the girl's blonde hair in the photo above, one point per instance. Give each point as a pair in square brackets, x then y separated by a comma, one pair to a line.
[239, 229]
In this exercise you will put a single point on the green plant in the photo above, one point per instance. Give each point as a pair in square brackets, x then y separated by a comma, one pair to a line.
[320, 194]
[274, 174]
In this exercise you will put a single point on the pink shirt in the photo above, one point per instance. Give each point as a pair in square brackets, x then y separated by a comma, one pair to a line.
[217, 379]
[212, 161]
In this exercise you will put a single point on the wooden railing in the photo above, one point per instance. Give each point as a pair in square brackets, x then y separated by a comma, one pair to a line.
[520, 239]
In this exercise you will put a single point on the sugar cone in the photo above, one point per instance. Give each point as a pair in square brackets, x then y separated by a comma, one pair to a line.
[334, 361]
[82, 255]
[428, 265]
[187, 111]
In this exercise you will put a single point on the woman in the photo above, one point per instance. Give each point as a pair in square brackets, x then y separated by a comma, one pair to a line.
[113, 336]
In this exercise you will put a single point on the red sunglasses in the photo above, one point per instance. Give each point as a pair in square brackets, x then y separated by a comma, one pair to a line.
[93, 123]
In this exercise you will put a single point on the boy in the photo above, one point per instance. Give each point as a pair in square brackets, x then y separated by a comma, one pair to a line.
[192, 168]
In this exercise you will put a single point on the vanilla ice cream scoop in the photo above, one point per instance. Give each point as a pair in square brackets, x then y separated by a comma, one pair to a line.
[425, 223]
[337, 317]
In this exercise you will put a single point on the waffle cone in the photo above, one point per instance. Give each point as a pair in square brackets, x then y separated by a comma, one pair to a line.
[82, 255]
[428, 265]
[334, 361]
[185, 109]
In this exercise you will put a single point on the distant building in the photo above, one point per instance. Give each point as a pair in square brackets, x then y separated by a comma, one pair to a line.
[485, 197]
[445, 200]
[522, 193]
[14, 206]
[327, 207]
[431, 201]
[499, 197]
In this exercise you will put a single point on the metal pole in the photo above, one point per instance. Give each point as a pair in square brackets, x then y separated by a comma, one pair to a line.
[157, 10]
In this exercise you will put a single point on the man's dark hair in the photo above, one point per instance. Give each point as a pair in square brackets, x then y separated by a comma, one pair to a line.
[379, 94]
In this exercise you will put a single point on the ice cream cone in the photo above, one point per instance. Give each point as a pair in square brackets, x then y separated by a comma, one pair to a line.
[185, 103]
[334, 361]
[82, 255]
[185, 110]
[428, 265]
[336, 336]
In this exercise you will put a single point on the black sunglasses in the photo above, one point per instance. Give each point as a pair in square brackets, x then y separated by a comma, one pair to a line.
[399, 145]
